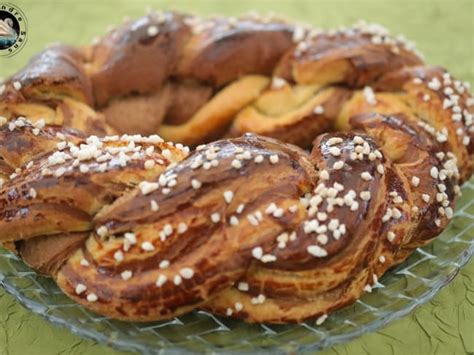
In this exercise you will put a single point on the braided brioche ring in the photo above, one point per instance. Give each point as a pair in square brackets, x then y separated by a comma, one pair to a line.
[136, 228]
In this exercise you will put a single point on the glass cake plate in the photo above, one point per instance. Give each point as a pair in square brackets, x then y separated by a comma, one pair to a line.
[410, 284]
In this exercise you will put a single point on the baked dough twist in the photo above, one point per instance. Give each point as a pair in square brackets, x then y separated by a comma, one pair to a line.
[140, 228]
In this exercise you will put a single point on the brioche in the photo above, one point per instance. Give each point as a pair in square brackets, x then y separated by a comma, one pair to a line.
[317, 160]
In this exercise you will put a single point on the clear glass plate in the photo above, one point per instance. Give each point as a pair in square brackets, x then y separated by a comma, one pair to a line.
[414, 282]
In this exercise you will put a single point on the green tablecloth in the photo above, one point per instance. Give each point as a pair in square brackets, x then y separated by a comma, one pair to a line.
[443, 30]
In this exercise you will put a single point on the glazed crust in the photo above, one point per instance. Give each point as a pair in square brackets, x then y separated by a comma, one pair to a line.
[249, 226]
[200, 247]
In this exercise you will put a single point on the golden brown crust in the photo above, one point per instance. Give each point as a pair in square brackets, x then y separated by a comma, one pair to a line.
[415, 153]
[23, 141]
[135, 229]
[214, 252]
[131, 60]
[343, 227]
[57, 71]
[270, 115]
[146, 56]
[224, 50]
[354, 58]
[47, 254]
[441, 104]
[61, 190]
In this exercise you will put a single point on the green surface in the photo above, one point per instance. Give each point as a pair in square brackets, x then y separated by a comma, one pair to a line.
[443, 30]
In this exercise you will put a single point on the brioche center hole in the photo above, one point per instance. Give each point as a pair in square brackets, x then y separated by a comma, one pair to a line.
[174, 104]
